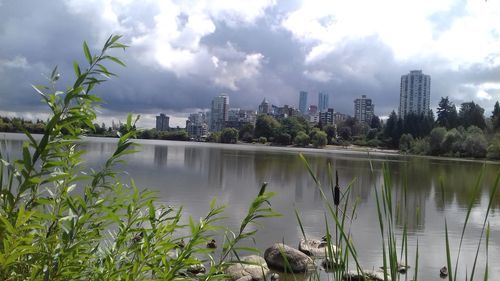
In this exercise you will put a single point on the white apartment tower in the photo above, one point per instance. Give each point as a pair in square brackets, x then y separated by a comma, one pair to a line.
[219, 112]
[415, 93]
[364, 109]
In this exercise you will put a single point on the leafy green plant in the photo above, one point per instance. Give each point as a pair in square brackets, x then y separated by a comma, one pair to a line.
[61, 221]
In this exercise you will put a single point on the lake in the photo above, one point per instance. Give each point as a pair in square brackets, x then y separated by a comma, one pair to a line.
[191, 174]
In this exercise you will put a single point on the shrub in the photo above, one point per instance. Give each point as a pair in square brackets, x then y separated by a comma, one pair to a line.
[319, 139]
[302, 139]
[229, 135]
[405, 142]
[475, 145]
[435, 139]
[452, 142]
[420, 146]
[262, 140]
[494, 150]
[59, 223]
[283, 139]
[213, 137]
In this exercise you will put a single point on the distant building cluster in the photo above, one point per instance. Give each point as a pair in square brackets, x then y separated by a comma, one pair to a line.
[414, 98]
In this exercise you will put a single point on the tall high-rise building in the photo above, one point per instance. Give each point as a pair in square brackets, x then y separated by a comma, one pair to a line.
[303, 102]
[364, 109]
[162, 122]
[264, 107]
[219, 112]
[415, 93]
[322, 102]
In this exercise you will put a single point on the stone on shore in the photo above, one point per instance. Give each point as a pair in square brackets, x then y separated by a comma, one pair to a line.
[280, 256]
[253, 268]
[369, 275]
[315, 248]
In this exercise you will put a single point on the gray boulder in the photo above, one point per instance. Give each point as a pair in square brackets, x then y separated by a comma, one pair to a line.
[315, 248]
[279, 256]
[252, 268]
[369, 275]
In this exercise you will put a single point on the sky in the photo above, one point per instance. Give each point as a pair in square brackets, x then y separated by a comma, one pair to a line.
[184, 53]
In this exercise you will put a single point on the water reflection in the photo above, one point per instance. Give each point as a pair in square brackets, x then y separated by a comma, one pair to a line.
[190, 174]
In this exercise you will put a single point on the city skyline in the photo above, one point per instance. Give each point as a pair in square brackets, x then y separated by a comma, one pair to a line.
[184, 53]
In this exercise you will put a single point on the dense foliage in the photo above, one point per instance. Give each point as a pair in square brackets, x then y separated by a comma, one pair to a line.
[62, 221]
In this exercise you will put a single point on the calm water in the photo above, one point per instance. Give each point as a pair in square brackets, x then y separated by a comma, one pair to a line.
[191, 174]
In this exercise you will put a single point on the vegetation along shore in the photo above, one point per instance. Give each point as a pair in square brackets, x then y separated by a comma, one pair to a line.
[60, 220]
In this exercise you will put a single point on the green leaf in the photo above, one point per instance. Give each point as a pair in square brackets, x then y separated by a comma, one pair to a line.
[87, 52]
[116, 60]
[76, 68]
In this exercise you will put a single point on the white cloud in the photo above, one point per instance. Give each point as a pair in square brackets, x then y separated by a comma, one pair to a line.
[483, 95]
[318, 75]
[229, 73]
[405, 26]
[16, 62]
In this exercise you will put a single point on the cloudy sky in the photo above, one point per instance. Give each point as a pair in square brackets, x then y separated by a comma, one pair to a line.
[183, 53]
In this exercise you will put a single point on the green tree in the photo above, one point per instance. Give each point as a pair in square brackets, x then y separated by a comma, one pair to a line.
[319, 139]
[330, 131]
[302, 139]
[283, 139]
[475, 144]
[436, 137]
[293, 125]
[405, 142]
[447, 115]
[375, 122]
[213, 137]
[229, 135]
[452, 143]
[345, 133]
[266, 126]
[471, 114]
[246, 132]
[393, 130]
[495, 117]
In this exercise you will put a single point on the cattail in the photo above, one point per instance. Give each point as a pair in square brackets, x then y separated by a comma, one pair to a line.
[336, 190]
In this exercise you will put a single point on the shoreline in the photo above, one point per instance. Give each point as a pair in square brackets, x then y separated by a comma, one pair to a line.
[331, 149]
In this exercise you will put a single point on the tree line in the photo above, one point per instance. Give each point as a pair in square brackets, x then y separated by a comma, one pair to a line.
[462, 133]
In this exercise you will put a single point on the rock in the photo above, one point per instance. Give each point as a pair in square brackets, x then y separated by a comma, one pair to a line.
[196, 269]
[254, 268]
[315, 248]
[443, 272]
[402, 268]
[369, 275]
[296, 261]
[330, 265]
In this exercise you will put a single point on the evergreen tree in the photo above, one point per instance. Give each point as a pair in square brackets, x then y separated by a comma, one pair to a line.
[495, 117]
[447, 114]
[375, 122]
[471, 114]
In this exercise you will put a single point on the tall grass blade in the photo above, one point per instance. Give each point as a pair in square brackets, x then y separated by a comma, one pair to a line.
[448, 257]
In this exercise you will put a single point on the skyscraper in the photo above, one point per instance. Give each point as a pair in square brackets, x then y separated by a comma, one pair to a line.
[303, 102]
[264, 107]
[364, 109]
[322, 102]
[219, 112]
[415, 93]
[162, 122]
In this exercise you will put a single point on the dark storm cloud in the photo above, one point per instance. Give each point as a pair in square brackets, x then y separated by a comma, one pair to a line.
[249, 61]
